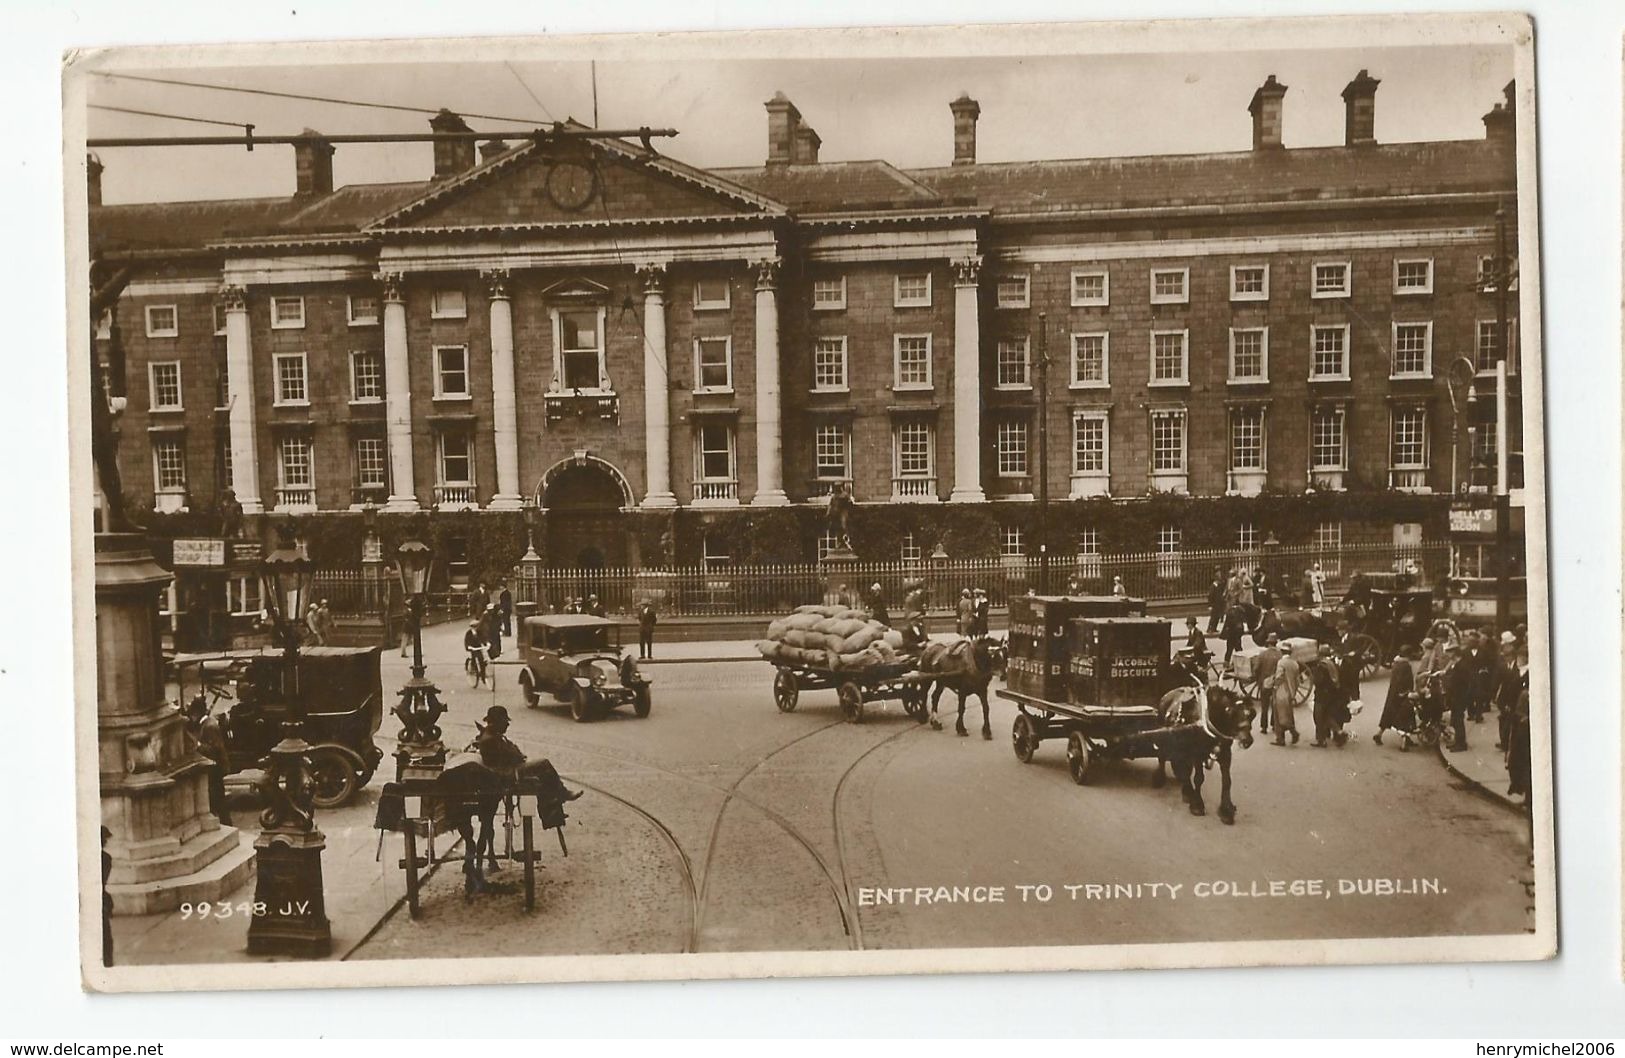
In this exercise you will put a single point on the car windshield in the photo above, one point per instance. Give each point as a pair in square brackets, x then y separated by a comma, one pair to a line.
[588, 640]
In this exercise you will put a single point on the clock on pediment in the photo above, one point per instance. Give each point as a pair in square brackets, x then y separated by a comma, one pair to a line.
[571, 185]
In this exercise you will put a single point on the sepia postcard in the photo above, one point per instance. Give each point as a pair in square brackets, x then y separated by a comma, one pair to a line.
[809, 503]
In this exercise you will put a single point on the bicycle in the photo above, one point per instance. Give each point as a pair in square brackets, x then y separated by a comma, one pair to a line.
[476, 666]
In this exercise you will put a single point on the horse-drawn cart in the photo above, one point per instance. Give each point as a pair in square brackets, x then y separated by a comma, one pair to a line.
[854, 688]
[1106, 702]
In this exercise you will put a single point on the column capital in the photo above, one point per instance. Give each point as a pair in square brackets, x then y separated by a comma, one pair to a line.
[967, 270]
[767, 272]
[233, 298]
[653, 277]
[392, 282]
[496, 283]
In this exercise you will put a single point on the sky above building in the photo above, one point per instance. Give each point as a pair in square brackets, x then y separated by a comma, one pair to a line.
[1032, 107]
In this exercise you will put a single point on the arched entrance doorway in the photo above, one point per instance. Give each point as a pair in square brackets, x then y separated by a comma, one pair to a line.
[584, 498]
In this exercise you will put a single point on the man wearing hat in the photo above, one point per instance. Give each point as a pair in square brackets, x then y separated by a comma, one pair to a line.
[1331, 700]
[595, 607]
[1458, 693]
[877, 605]
[1282, 692]
[498, 753]
[1508, 686]
[979, 613]
[1269, 659]
[964, 612]
[474, 645]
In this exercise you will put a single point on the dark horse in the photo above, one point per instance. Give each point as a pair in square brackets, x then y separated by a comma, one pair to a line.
[1207, 723]
[965, 667]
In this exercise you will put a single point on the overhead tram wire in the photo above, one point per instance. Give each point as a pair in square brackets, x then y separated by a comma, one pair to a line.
[170, 117]
[534, 98]
[336, 101]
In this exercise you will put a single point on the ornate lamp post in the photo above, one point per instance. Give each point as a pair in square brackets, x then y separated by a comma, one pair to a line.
[419, 753]
[289, 880]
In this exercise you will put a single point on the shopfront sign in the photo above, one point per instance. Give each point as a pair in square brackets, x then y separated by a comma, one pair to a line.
[1473, 520]
[200, 552]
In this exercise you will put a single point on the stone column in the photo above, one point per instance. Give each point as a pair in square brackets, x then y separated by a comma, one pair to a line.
[397, 397]
[656, 390]
[769, 433]
[967, 384]
[504, 404]
[245, 456]
[165, 842]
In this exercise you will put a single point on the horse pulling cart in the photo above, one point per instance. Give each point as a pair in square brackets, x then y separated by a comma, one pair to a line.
[854, 688]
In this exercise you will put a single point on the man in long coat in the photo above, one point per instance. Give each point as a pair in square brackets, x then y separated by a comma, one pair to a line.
[1331, 700]
[1283, 690]
[1399, 709]
[964, 613]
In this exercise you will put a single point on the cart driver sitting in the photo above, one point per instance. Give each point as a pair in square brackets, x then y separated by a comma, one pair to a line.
[498, 753]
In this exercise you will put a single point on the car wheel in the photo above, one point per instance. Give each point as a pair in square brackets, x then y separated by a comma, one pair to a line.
[332, 776]
[581, 709]
[527, 685]
[642, 702]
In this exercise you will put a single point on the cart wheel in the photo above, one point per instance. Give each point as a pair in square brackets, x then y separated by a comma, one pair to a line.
[1023, 738]
[851, 698]
[641, 702]
[913, 698]
[785, 691]
[528, 687]
[332, 776]
[1305, 691]
[1078, 757]
[1370, 654]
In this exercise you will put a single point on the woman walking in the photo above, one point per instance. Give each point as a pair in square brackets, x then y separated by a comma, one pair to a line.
[1399, 709]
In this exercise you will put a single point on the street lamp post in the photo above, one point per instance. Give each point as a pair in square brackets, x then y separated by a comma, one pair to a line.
[291, 911]
[419, 752]
[1043, 453]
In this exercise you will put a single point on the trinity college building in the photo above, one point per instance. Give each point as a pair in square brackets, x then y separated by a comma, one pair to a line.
[626, 341]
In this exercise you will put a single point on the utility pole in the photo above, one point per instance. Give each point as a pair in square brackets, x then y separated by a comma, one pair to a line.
[1503, 499]
[1043, 453]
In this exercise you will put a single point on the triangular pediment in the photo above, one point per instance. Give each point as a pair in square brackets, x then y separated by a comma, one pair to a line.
[578, 288]
[580, 183]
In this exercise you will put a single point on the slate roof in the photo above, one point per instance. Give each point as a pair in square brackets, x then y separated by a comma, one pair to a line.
[1297, 174]
[1292, 175]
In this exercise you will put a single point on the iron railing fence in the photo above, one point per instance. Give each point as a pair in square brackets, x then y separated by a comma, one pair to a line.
[726, 590]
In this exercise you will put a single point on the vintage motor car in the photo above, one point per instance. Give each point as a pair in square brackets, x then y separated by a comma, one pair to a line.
[235, 705]
[579, 660]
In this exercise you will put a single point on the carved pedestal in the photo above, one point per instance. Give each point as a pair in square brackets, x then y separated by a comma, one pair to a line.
[165, 844]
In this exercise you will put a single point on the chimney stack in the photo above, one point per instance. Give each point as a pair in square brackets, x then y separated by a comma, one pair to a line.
[93, 179]
[805, 149]
[1501, 123]
[451, 157]
[1266, 111]
[783, 119]
[965, 110]
[313, 165]
[491, 148]
[1360, 110]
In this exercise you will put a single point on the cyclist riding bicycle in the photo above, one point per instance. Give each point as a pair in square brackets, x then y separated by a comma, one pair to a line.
[474, 643]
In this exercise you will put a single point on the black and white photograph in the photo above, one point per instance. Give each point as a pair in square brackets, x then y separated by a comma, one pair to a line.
[809, 503]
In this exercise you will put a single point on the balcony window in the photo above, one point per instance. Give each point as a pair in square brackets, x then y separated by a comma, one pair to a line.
[1413, 350]
[448, 303]
[1170, 358]
[371, 466]
[1247, 439]
[715, 479]
[1413, 276]
[713, 365]
[913, 460]
[1330, 279]
[1091, 287]
[1329, 353]
[292, 386]
[1249, 354]
[578, 338]
[455, 489]
[1091, 360]
[1408, 446]
[1168, 443]
[1013, 369]
[1170, 286]
[1250, 282]
[451, 373]
[366, 377]
[287, 314]
[163, 321]
[296, 481]
[913, 361]
[1328, 442]
[164, 382]
[829, 365]
[169, 473]
[913, 291]
[829, 293]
